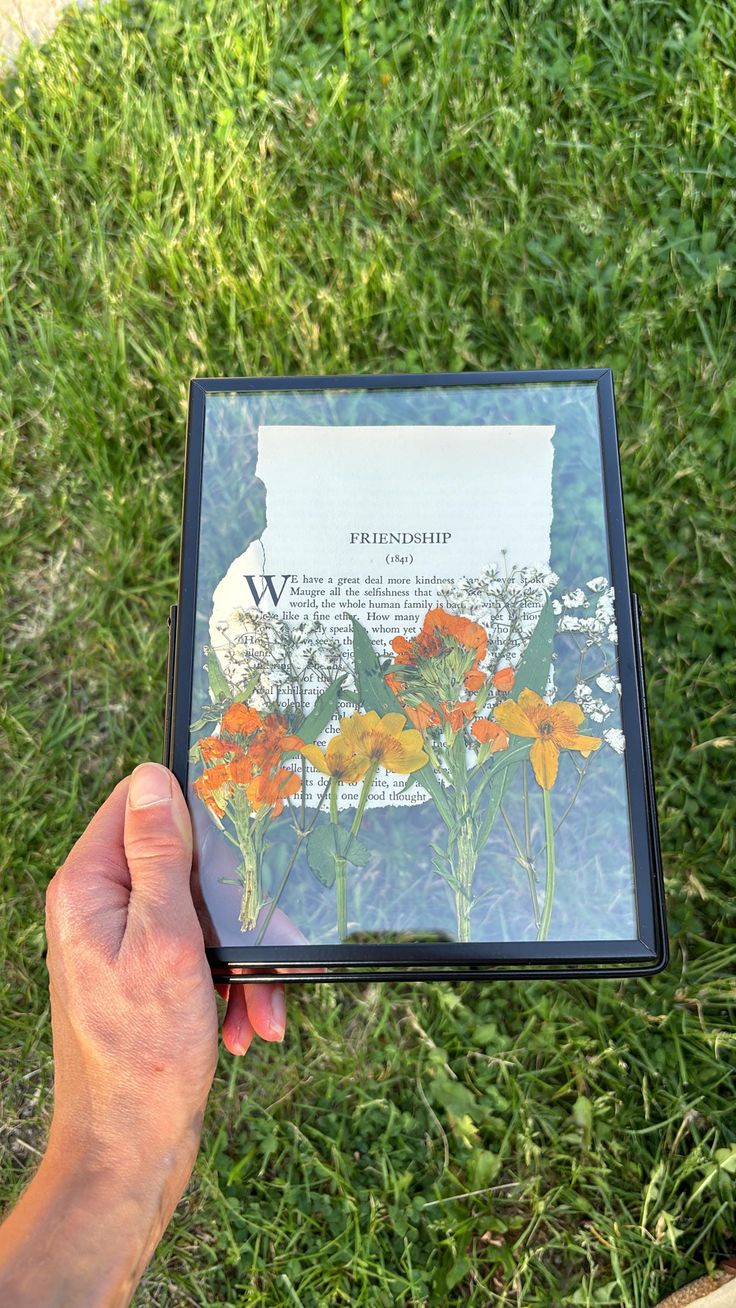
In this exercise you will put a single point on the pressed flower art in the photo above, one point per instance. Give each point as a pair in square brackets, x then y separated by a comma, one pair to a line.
[411, 724]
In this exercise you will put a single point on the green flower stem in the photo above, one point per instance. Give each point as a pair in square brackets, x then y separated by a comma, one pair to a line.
[549, 888]
[467, 858]
[250, 904]
[467, 851]
[300, 838]
[341, 870]
[367, 783]
[341, 878]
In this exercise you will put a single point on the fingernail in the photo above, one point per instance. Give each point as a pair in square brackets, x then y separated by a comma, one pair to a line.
[150, 783]
[278, 1012]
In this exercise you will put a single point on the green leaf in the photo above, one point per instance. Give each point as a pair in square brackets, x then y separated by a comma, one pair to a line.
[348, 697]
[322, 712]
[328, 843]
[248, 691]
[218, 684]
[375, 695]
[533, 670]
[459, 1270]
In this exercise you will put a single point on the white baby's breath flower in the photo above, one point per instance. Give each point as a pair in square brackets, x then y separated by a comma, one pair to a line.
[597, 584]
[605, 682]
[615, 739]
[597, 710]
[574, 599]
[571, 623]
[556, 607]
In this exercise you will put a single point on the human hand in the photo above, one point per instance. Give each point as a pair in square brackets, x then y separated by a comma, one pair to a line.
[133, 1007]
[134, 1023]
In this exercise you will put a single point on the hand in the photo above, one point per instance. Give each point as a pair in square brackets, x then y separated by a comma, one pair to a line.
[132, 1001]
[134, 1022]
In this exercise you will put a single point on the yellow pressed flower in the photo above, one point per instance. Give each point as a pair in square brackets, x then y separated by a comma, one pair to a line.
[383, 742]
[552, 726]
[338, 760]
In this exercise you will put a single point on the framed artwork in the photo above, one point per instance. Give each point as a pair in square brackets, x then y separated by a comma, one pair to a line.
[406, 700]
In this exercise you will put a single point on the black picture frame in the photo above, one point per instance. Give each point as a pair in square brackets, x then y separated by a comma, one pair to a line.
[646, 954]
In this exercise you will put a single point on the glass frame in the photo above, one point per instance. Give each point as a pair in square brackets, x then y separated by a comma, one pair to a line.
[644, 954]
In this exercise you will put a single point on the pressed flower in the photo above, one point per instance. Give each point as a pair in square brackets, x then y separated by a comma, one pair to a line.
[240, 720]
[459, 714]
[271, 740]
[474, 679]
[463, 630]
[423, 715]
[504, 679]
[552, 727]
[270, 790]
[490, 733]
[383, 742]
[214, 749]
[214, 788]
[437, 624]
[338, 760]
[423, 646]
[440, 662]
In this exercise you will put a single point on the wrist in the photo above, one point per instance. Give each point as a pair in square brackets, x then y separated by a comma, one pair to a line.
[85, 1229]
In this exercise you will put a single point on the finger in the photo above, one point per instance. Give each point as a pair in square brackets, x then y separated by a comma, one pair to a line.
[100, 846]
[266, 1005]
[237, 1030]
[158, 844]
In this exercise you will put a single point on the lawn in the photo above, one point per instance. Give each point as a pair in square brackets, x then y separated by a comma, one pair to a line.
[192, 187]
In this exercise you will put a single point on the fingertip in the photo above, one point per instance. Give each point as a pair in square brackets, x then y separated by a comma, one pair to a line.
[240, 1043]
[237, 1028]
[266, 1004]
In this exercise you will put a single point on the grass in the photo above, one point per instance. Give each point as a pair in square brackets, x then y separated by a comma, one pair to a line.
[189, 187]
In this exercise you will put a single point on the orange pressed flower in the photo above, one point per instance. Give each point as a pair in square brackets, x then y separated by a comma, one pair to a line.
[251, 765]
[391, 679]
[271, 741]
[552, 727]
[437, 624]
[459, 714]
[489, 733]
[423, 646]
[467, 633]
[270, 790]
[423, 715]
[474, 679]
[504, 679]
[214, 749]
[240, 720]
[458, 644]
[214, 788]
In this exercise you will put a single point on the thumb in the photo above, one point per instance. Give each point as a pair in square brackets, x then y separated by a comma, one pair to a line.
[158, 840]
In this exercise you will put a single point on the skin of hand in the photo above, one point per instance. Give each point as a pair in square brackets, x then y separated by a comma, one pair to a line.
[135, 1042]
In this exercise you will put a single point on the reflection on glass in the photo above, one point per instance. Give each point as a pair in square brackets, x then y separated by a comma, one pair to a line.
[406, 706]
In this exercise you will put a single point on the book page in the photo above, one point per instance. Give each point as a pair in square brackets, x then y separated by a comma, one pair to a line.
[382, 525]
